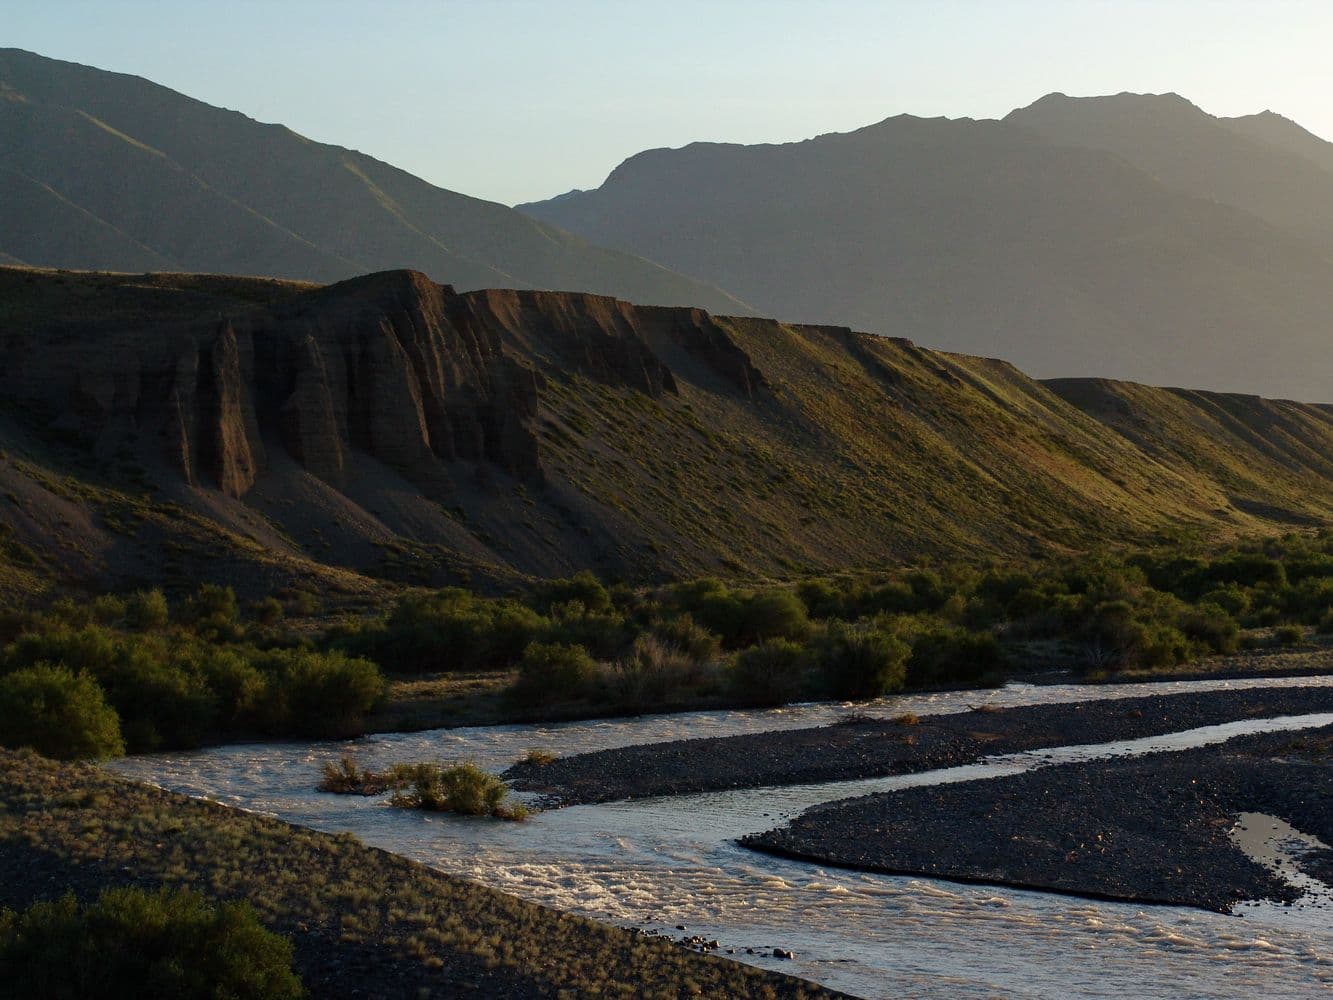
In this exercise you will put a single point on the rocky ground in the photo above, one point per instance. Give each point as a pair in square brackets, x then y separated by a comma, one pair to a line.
[364, 923]
[1152, 829]
[868, 748]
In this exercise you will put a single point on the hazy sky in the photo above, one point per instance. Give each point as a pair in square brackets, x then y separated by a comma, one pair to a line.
[516, 100]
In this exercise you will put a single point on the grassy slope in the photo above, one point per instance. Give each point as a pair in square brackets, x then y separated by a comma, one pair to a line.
[871, 449]
[861, 450]
[364, 922]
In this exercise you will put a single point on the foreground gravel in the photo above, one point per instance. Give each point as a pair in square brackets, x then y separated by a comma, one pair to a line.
[1151, 829]
[877, 748]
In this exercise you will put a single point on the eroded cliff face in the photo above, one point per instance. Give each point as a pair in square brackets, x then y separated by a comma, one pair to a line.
[390, 365]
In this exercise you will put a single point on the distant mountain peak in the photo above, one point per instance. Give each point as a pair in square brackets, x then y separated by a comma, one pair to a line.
[103, 170]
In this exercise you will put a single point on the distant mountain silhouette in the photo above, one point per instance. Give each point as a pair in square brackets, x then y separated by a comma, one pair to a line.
[1133, 236]
[103, 170]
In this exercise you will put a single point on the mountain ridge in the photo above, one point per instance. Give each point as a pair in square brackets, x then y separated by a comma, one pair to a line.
[208, 189]
[1048, 238]
[390, 428]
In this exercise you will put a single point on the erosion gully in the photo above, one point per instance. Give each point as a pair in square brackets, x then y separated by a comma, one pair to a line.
[666, 863]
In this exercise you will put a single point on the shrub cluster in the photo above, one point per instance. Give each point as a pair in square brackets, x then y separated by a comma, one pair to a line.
[130, 943]
[117, 675]
[458, 788]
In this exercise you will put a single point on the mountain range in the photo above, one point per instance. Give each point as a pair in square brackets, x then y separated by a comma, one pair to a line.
[1132, 236]
[101, 170]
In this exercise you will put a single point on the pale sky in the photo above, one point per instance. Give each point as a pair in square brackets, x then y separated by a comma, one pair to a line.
[516, 100]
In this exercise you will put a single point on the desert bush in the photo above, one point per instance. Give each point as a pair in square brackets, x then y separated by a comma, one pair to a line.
[461, 788]
[582, 587]
[861, 663]
[654, 673]
[1248, 569]
[107, 609]
[1289, 635]
[551, 672]
[146, 609]
[212, 611]
[821, 599]
[267, 612]
[539, 758]
[89, 648]
[771, 673]
[1325, 626]
[57, 713]
[345, 778]
[687, 635]
[163, 703]
[1232, 599]
[130, 943]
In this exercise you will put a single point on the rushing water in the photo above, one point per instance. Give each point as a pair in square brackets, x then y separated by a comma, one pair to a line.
[661, 863]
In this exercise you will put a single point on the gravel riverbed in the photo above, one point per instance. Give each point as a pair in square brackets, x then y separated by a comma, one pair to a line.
[1150, 829]
[868, 748]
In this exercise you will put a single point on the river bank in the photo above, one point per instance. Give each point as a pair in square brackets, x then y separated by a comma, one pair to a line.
[364, 922]
[1151, 829]
[865, 747]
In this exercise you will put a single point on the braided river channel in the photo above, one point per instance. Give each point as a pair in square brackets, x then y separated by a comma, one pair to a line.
[663, 863]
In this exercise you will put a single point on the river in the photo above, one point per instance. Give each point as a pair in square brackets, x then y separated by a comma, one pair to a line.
[665, 863]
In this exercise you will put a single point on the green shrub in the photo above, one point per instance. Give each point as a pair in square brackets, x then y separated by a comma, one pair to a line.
[1289, 635]
[861, 663]
[774, 614]
[461, 788]
[602, 633]
[953, 656]
[134, 944]
[1232, 599]
[107, 609]
[821, 599]
[445, 630]
[57, 713]
[318, 694]
[771, 673]
[211, 610]
[655, 673]
[268, 612]
[146, 609]
[1325, 626]
[582, 587]
[1212, 627]
[552, 672]
[163, 704]
[687, 635]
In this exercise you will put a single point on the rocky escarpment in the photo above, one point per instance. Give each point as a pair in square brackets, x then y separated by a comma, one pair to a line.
[391, 365]
[392, 426]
